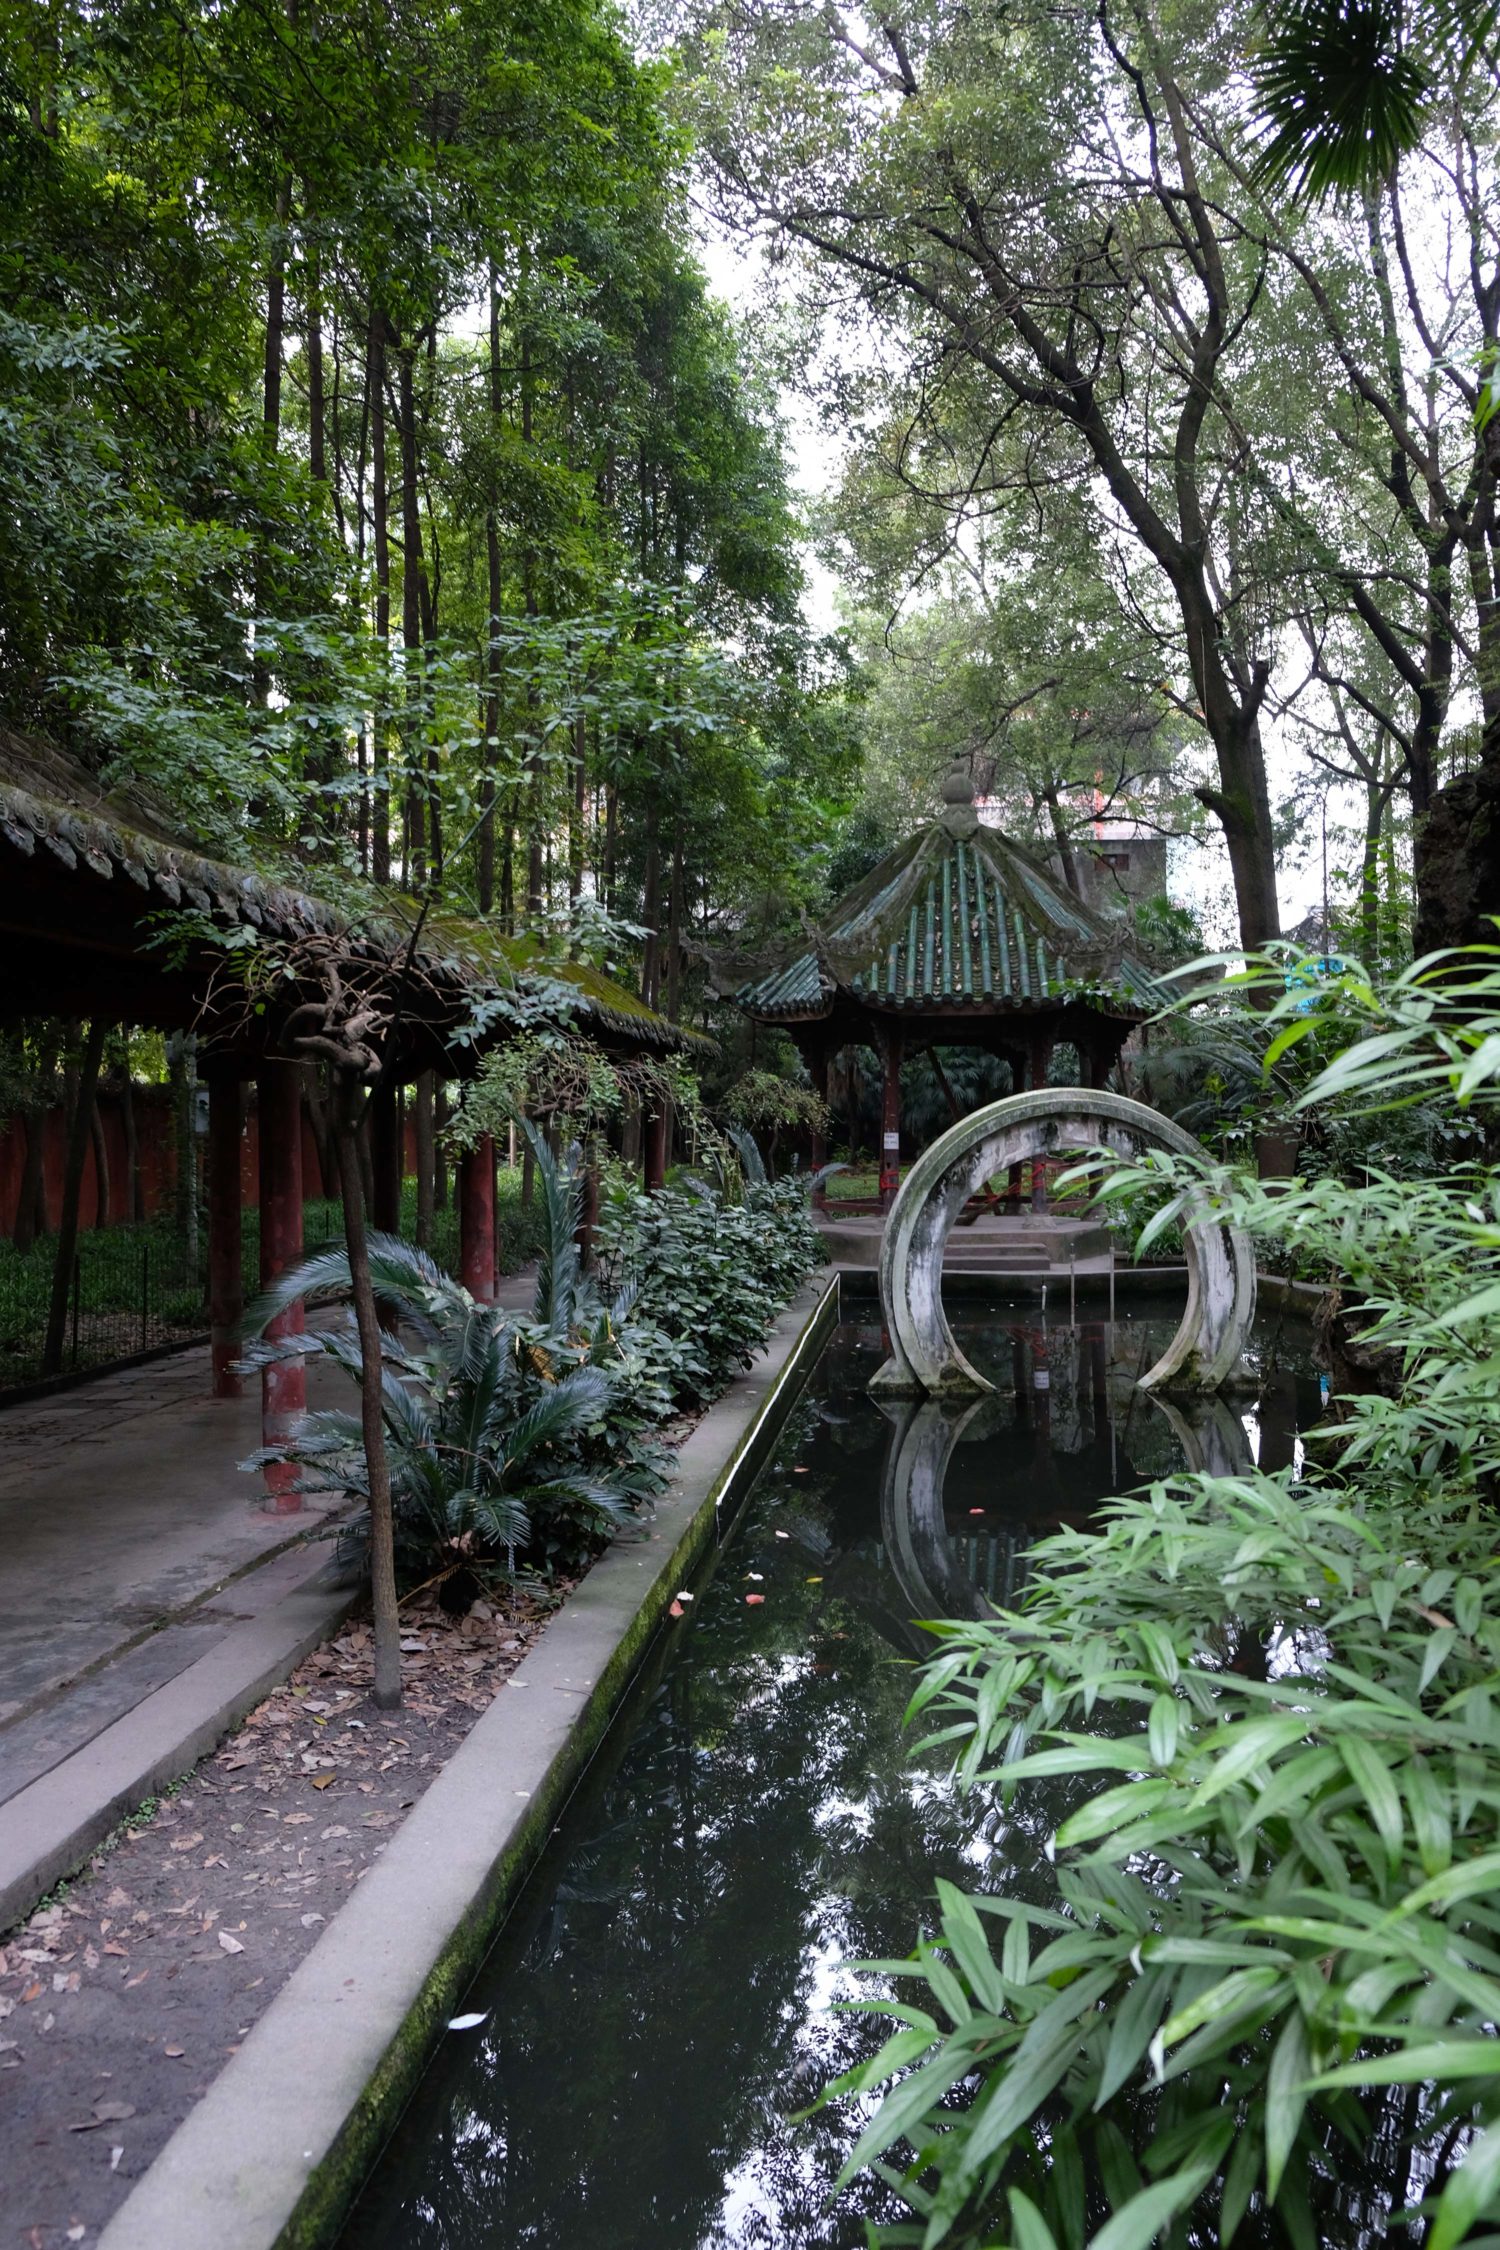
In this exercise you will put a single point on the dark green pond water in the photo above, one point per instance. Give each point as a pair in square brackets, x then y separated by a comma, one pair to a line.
[660, 2002]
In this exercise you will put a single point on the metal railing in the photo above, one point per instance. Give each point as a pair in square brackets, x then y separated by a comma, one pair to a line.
[136, 1289]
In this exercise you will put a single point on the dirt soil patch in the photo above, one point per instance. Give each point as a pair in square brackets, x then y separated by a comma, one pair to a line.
[122, 1999]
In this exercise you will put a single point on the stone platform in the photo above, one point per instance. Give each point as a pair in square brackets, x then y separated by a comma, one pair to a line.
[1034, 1244]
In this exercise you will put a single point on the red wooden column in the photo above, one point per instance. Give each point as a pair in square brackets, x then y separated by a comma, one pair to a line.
[226, 1290]
[476, 1219]
[654, 1161]
[387, 1157]
[1041, 1058]
[819, 1150]
[283, 1388]
[890, 1121]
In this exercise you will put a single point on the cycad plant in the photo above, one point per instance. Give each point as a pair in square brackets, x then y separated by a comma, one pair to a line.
[505, 1434]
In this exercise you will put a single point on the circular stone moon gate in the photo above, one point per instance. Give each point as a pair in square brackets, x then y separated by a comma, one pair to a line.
[924, 1357]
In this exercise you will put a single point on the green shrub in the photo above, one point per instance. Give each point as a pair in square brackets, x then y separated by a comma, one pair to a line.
[526, 1441]
[708, 1275]
[1252, 1725]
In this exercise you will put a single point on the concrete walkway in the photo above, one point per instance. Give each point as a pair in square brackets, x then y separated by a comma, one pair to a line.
[146, 1596]
[130, 1537]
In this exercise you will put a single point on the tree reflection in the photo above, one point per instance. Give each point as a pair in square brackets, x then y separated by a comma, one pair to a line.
[661, 2000]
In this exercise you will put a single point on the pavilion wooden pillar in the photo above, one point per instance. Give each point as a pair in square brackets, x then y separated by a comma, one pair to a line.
[890, 1119]
[1041, 1056]
[386, 1156]
[1104, 1053]
[283, 1387]
[226, 1289]
[818, 1066]
[476, 1219]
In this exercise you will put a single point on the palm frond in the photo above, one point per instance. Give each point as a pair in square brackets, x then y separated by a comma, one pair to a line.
[564, 1408]
[1342, 93]
[751, 1162]
[591, 1494]
[557, 1266]
[502, 1516]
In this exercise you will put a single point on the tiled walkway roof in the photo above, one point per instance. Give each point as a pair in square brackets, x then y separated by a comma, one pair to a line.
[55, 814]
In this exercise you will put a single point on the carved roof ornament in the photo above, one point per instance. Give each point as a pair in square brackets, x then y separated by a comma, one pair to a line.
[958, 815]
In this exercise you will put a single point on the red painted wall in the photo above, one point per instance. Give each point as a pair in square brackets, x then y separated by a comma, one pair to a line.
[157, 1155]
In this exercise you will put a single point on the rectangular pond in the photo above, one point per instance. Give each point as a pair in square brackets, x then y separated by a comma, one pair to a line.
[659, 2004]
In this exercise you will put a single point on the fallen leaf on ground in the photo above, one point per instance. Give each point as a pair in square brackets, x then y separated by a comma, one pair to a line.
[186, 1843]
[174, 2052]
[230, 1944]
[323, 1780]
[105, 2113]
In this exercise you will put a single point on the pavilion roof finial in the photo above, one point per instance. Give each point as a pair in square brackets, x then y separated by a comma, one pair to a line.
[958, 816]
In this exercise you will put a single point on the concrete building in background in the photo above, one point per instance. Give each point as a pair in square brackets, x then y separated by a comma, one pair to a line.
[1118, 862]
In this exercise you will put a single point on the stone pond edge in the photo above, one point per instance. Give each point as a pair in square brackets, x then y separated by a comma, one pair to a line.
[274, 2154]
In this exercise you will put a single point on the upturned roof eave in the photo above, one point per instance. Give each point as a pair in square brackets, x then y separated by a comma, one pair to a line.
[75, 839]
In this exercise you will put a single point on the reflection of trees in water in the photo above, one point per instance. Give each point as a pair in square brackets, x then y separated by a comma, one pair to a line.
[665, 2007]
[766, 1824]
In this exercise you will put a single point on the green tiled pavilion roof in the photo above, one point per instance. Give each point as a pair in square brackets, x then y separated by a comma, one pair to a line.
[957, 917]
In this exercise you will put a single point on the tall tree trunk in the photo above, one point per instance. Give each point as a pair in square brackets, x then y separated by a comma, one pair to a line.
[270, 419]
[413, 657]
[1062, 841]
[349, 1101]
[67, 1233]
[317, 405]
[674, 932]
[1369, 877]
[651, 909]
[611, 843]
[508, 880]
[580, 799]
[426, 1140]
[380, 803]
[494, 590]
